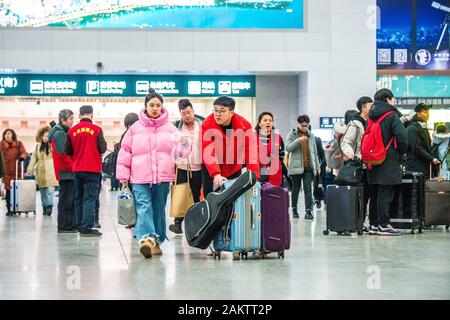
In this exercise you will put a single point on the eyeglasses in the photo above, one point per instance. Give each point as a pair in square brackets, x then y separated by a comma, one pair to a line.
[220, 112]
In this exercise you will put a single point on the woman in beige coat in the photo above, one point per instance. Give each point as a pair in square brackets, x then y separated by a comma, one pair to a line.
[42, 163]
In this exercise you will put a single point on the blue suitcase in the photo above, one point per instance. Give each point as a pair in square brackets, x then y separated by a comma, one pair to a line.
[242, 233]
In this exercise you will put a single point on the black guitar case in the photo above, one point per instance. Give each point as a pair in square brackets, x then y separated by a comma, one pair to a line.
[205, 218]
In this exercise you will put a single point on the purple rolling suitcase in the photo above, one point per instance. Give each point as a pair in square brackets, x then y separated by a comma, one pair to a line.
[276, 225]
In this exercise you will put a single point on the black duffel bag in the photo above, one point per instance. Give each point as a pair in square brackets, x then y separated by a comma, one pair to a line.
[350, 173]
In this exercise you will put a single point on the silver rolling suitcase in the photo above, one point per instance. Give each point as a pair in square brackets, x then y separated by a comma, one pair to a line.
[23, 194]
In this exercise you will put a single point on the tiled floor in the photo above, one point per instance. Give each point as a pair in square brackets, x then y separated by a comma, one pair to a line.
[38, 263]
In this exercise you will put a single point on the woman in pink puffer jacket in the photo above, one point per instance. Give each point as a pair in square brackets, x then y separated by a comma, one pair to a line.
[147, 161]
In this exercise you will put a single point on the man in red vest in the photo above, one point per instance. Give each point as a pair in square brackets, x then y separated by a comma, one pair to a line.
[86, 144]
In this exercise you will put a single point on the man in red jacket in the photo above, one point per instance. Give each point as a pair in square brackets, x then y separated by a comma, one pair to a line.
[63, 171]
[86, 144]
[228, 144]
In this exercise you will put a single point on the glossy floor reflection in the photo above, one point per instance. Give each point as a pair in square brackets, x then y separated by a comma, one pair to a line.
[38, 263]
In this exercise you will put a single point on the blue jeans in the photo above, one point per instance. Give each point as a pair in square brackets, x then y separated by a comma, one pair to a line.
[87, 188]
[47, 195]
[150, 201]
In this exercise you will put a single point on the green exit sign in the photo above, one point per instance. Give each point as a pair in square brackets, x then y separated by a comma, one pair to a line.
[47, 85]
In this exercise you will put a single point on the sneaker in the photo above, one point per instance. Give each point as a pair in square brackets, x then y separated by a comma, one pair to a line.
[295, 213]
[97, 225]
[155, 248]
[91, 233]
[388, 231]
[145, 248]
[373, 230]
[308, 215]
[365, 229]
[319, 204]
[176, 228]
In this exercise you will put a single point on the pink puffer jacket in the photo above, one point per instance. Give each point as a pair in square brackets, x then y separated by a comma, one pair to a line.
[148, 150]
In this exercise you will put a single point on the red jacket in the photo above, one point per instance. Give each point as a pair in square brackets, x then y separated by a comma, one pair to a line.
[269, 157]
[86, 143]
[225, 155]
[62, 163]
[12, 152]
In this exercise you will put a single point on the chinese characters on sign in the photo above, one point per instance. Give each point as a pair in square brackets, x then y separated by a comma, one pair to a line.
[329, 122]
[7, 83]
[125, 85]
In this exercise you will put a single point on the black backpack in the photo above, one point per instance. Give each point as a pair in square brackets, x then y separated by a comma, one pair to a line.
[109, 164]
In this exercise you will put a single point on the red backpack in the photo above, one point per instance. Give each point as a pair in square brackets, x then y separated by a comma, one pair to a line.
[373, 151]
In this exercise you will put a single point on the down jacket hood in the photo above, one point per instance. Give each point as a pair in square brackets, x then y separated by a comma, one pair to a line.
[379, 108]
[441, 135]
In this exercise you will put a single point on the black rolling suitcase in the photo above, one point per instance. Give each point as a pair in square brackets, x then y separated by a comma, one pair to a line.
[407, 208]
[345, 209]
[206, 218]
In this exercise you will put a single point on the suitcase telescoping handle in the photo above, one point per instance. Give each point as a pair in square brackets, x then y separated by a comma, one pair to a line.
[17, 170]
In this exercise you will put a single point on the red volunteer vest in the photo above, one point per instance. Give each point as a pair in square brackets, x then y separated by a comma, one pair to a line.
[86, 157]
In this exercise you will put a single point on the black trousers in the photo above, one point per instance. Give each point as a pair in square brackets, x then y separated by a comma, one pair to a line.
[195, 183]
[66, 211]
[307, 177]
[370, 200]
[97, 203]
[385, 196]
[8, 200]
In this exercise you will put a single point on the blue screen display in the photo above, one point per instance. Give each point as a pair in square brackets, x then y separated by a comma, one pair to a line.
[413, 35]
[160, 14]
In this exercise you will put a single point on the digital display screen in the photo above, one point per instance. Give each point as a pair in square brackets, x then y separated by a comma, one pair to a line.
[160, 14]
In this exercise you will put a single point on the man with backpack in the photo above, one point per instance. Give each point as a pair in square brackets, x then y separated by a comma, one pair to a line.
[351, 149]
[383, 144]
[419, 157]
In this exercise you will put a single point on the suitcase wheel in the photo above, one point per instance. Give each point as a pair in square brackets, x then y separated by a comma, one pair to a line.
[258, 255]
[420, 231]
[236, 256]
[360, 232]
[326, 232]
[281, 255]
[447, 227]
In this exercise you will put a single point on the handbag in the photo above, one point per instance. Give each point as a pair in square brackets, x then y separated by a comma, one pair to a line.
[181, 198]
[126, 209]
[350, 173]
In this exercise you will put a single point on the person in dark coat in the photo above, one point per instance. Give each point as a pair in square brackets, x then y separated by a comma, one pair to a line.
[318, 192]
[62, 164]
[386, 176]
[418, 157]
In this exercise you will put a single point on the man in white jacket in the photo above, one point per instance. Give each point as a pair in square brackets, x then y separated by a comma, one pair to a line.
[351, 149]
